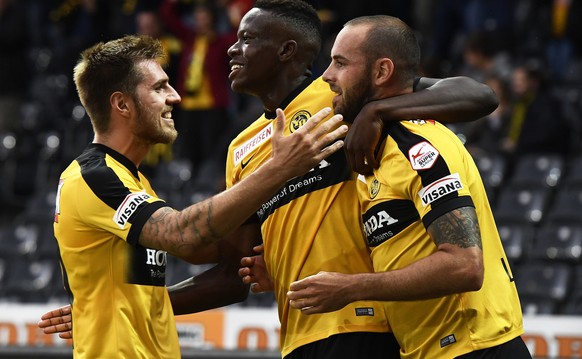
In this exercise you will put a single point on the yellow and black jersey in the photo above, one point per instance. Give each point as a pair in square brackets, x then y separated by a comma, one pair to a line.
[426, 172]
[121, 308]
[312, 224]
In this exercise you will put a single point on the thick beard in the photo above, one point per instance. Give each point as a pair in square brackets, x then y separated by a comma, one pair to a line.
[353, 100]
[151, 130]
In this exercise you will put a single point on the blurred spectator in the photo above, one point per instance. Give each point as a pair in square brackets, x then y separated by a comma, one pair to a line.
[486, 135]
[456, 19]
[148, 22]
[566, 31]
[202, 78]
[14, 80]
[483, 58]
[551, 29]
[233, 11]
[78, 25]
[536, 124]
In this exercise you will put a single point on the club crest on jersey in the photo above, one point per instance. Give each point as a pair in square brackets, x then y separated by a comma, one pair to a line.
[440, 188]
[298, 120]
[128, 207]
[374, 188]
[422, 156]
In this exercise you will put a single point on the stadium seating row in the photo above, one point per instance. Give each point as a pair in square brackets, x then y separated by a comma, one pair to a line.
[537, 203]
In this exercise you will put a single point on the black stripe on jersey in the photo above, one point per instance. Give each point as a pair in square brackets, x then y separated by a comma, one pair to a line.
[406, 140]
[329, 172]
[100, 178]
[271, 115]
[386, 219]
[65, 279]
[107, 186]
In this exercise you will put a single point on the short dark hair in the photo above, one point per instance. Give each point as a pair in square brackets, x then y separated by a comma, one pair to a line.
[299, 17]
[389, 36]
[108, 67]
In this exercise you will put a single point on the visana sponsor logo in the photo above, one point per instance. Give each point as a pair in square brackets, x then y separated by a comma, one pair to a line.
[377, 221]
[440, 188]
[422, 156]
[128, 207]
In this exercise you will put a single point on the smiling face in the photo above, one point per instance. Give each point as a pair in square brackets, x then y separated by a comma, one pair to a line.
[254, 57]
[349, 73]
[154, 99]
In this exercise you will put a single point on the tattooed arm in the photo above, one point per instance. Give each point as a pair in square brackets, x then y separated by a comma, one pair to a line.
[183, 232]
[456, 266]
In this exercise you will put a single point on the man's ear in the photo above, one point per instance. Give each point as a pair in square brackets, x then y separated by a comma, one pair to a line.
[120, 103]
[384, 71]
[287, 50]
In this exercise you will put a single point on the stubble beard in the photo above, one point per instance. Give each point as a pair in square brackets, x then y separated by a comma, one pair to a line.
[151, 128]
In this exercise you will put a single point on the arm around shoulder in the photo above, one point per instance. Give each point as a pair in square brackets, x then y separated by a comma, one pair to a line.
[183, 232]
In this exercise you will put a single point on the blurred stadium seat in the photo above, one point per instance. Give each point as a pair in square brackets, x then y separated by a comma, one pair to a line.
[30, 281]
[517, 238]
[537, 170]
[560, 242]
[566, 205]
[521, 205]
[543, 282]
[492, 168]
[573, 304]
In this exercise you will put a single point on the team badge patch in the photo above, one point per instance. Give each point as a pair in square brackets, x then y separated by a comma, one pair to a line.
[422, 156]
[374, 188]
[298, 120]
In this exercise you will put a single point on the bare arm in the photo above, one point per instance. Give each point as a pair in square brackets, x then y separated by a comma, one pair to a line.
[456, 267]
[183, 232]
[220, 285]
[450, 100]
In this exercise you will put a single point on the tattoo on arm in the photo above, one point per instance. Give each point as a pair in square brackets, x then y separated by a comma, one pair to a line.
[459, 227]
[211, 230]
[188, 225]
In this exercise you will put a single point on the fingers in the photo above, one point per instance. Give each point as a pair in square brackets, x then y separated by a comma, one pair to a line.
[279, 123]
[256, 288]
[323, 132]
[59, 312]
[54, 321]
[66, 335]
[363, 165]
[316, 119]
[299, 304]
[306, 306]
[259, 249]
[247, 261]
[370, 160]
[60, 328]
[330, 137]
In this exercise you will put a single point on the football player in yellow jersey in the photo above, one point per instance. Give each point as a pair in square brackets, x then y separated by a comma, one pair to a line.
[112, 230]
[440, 268]
[278, 40]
